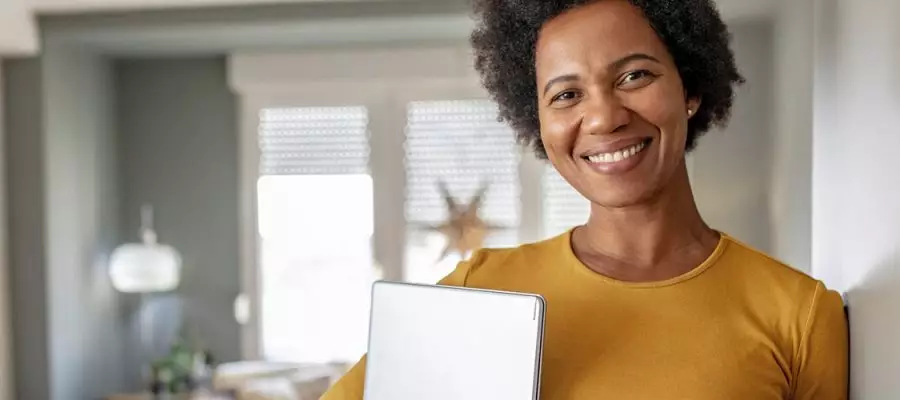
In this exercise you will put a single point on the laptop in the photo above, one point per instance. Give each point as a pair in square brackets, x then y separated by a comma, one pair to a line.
[451, 343]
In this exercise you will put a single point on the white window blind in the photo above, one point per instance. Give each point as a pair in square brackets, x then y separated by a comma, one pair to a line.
[462, 144]
[564, 207]
[314, 141]
[315, 216]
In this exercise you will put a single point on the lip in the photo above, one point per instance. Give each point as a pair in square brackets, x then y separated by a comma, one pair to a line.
[611, 147]
[616, 167]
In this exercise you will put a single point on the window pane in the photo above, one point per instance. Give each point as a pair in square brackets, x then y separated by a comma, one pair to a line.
[315, 215]
[564, 207]
[315, 140]
[462, 144]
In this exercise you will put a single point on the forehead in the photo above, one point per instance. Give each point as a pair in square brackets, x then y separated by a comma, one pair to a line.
[599, 32]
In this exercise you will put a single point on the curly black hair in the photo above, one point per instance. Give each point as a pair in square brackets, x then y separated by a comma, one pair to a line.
[692, 30]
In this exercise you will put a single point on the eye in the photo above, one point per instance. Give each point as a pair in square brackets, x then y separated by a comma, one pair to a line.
[568, 95]
[636, 79]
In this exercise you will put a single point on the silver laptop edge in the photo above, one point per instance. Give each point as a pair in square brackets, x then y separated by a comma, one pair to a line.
[539, 314]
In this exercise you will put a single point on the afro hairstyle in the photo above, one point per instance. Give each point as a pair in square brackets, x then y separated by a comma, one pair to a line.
[692, 30]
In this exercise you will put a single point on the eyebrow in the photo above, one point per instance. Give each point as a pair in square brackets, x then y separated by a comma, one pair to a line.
[560, 79]
[618, 64]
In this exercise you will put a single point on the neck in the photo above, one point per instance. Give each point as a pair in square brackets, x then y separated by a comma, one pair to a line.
[652, 232]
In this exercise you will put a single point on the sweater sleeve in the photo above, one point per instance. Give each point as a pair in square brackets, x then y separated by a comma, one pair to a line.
[823, 356]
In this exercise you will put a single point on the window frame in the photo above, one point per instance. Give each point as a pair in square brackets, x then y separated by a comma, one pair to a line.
[313, 94]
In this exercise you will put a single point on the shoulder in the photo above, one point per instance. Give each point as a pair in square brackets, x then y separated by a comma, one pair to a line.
[757, 266]
[497, 263]
[774, 282]
[749, 257]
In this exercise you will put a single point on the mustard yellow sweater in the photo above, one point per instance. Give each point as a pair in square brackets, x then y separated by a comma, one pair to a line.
[739, 326]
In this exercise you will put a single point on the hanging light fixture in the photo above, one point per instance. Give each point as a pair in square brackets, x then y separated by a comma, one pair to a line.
[146, 267]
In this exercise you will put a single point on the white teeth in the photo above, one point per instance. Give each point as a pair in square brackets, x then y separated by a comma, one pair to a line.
[617, 155]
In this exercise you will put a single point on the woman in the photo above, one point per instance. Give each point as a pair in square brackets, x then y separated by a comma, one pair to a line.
[645, 301]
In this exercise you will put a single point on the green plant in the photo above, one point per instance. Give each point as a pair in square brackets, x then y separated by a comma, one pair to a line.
[177, 371]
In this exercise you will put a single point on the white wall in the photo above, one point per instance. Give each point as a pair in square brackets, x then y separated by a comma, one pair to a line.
[18, 34]
[856, 198]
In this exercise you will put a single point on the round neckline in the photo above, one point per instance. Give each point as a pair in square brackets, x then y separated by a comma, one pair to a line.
[694, 272]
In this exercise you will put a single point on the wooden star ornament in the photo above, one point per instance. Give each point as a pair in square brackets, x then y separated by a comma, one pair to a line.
[464, 229]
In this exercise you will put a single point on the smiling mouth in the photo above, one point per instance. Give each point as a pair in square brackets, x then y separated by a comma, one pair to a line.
[618, 155]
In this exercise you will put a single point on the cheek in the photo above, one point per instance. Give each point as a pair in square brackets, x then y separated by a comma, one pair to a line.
[665, 110]
[558, 133]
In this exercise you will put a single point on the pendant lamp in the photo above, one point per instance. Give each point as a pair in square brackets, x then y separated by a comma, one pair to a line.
[148, 266]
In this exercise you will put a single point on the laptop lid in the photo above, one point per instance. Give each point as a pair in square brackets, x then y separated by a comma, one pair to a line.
[451, 343]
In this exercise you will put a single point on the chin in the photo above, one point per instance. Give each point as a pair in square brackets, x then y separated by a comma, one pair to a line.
[623, 198]
[637, 186]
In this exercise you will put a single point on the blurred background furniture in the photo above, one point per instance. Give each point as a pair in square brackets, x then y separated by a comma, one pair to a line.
[259, 380]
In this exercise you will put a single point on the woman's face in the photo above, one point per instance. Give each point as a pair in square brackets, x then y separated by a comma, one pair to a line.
[612, 106]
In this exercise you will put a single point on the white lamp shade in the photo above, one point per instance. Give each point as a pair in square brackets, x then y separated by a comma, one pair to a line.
[145, 268]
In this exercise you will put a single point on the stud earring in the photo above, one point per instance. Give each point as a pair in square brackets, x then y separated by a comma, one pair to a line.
[690, 112]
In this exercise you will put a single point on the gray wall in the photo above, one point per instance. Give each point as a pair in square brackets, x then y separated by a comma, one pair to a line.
[25, 190]
[732, 167]
[76, 180]
[68, 328]
[6, 377]
[80, 203]
[791, 213]
[178, 149]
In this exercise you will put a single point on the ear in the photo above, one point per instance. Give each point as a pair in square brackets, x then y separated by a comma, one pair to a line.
[692, 105]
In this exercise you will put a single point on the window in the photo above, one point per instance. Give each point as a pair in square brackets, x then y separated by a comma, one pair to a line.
[563, 206]
[315, 221]
[315, 211]
[461, 144]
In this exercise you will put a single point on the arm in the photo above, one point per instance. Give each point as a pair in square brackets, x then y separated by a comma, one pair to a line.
[350, 387]
[823, 356]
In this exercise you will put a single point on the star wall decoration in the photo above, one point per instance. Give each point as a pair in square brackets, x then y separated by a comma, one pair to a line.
[464, 229]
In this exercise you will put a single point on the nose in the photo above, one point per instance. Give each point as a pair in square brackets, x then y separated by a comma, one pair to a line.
[604, 114]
